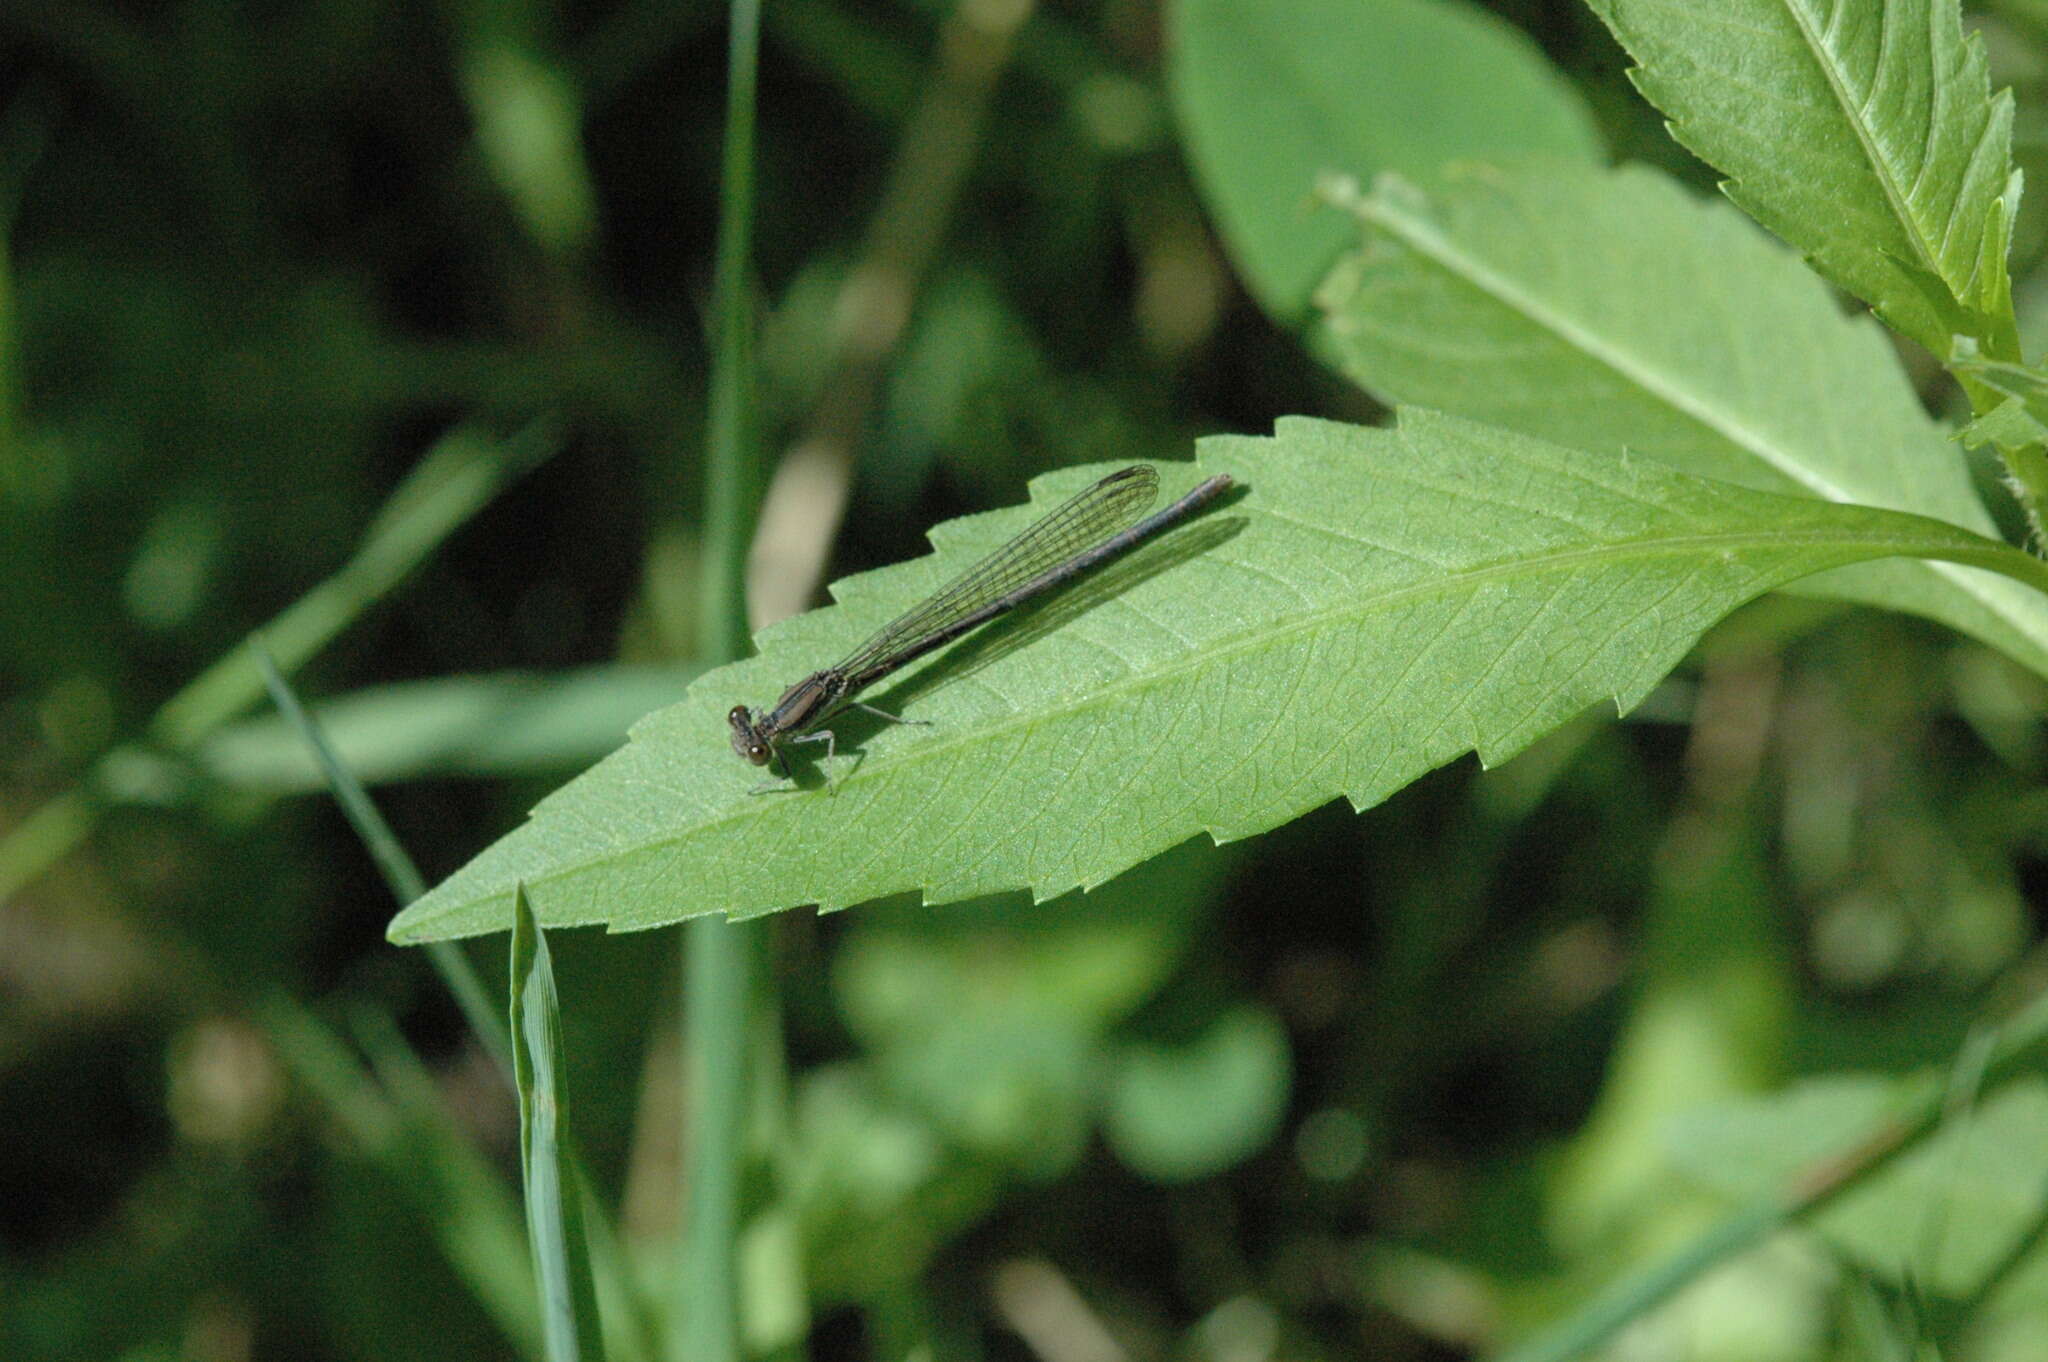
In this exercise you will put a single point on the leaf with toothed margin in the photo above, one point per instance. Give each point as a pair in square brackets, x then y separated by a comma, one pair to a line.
[1863, 132]
[1377, 603]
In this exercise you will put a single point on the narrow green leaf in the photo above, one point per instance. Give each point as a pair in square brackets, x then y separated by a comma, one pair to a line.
[1381, 602]
[400, 874]
[508, 724]
[625, 1314]
[719, 958]
[1613, 310]
[406, 1133]
[554, 1211]
[1864, 132]
[529, 127]
[1270, 97]
[457, 478]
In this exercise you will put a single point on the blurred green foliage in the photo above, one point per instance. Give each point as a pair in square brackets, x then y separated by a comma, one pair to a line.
[1399, 1085]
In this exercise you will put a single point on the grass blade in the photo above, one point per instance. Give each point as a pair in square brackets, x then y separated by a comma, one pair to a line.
[401, 876]
[629, 1330]
[554, 1220]
[718, 956]
[458, 477]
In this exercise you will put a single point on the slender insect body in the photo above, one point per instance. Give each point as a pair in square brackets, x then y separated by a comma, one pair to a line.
[806, 703]
[1088, 529]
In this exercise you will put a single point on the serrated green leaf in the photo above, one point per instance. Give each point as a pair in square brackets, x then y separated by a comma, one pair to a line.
[1612, 310]
[2016, 424]
[1381, 602]
[1864, 132]
[1273, 96]
[2023, 384]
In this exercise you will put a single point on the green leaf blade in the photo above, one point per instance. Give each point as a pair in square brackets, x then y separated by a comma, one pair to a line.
[554, 1211]
[504, 724]
[1381, 602]
[1865, 134]
[1612, 310]
[1271, 97]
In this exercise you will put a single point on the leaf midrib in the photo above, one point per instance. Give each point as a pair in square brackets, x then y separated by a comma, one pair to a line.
[1880, 170]
[1543, 564]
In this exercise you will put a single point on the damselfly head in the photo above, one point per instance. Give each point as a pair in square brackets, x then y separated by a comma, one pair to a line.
[746, 737]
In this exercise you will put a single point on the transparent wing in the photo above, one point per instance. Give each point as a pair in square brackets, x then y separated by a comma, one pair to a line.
[1084, 520]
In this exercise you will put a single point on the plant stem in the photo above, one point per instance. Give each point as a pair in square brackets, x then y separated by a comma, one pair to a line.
[718, 966]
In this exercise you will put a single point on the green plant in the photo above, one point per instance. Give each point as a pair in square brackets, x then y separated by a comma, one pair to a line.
[1702, 1012]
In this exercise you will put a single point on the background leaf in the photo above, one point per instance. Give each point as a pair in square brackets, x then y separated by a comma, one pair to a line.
[1612, 310]
[1863, 132]
[1945, 1216]
[498, 725]
[1190, 1111]
[1273, 96]
[1382, 602]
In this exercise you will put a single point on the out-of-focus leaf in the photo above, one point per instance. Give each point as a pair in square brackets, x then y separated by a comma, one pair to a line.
[1191, 1112]
[529, 123]
[1947, 1214]
[877, 1188]
[1273, 96]
[989, 1020]
[511, 724]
